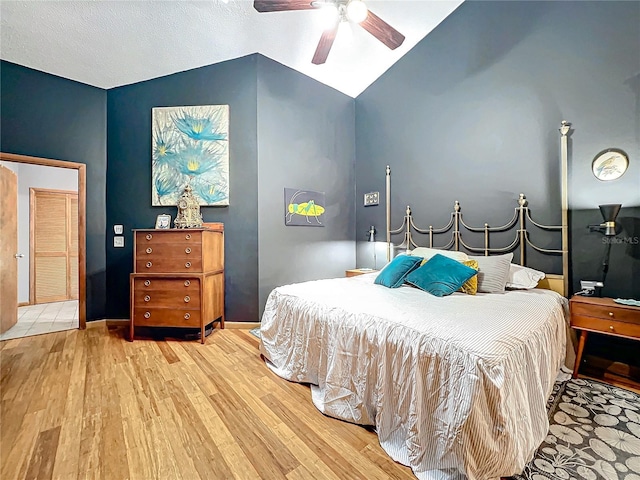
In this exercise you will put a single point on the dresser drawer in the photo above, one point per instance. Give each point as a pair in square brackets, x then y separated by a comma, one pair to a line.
[179, 285]
[604, 325]
[164, 250]
[166, 298]
[185, 237]
[165, 317]
[169, 265]
[618, 313]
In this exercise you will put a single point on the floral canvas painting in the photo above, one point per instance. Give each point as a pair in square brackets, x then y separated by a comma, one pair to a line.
[190, 147]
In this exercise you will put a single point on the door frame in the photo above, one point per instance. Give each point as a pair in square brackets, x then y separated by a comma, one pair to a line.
[82, 220]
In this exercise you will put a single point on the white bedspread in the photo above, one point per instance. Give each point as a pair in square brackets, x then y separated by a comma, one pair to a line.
[456, 386]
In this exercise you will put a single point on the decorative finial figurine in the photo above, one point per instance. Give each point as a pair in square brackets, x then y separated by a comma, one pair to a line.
[189, 215]
[522, 200]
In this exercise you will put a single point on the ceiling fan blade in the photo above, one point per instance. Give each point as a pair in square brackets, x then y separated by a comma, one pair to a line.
[382, 31]
[281, 5]
[325, 44]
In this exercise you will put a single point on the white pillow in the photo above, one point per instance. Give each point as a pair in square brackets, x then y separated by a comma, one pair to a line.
[523, 277]
[493, 272]
[427, 253]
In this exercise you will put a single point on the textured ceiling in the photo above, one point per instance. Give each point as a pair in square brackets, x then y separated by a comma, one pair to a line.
[112, 43]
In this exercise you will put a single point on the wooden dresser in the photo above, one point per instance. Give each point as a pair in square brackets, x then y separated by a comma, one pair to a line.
[178, 278]
[602, 315]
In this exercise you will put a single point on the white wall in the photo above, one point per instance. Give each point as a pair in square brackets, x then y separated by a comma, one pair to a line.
[34, 176]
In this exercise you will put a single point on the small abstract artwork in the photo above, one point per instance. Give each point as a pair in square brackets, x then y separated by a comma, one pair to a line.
[303, 208]
[190, 146]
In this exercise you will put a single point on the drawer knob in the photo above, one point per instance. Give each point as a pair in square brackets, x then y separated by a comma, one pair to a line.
[147, 298]
[187, 265]
[147, 314]
[611, 314]
[147, 283]
[149, 250]
[611, 327]
[187, 299]
[187, 250]
[187, 316]
[187, 283]
[149, 264]
[187, 236]
[149, 236]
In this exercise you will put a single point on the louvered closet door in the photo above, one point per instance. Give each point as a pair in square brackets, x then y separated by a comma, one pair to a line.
[73, 247]
[54, 252]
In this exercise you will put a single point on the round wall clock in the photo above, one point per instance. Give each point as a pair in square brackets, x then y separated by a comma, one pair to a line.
[610, 164]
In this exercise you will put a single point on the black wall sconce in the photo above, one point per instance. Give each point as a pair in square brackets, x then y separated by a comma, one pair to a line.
[608, 229]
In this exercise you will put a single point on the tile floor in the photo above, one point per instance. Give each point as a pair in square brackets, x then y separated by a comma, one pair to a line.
[44, 318]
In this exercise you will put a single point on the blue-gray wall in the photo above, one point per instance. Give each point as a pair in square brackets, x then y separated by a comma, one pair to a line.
[230, 83]
[285, 130]
[472, 114]
[42, 115]
[306, 140]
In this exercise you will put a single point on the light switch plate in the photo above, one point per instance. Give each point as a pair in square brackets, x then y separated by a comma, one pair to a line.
[371, 198]
[117, 229]
[118, 242]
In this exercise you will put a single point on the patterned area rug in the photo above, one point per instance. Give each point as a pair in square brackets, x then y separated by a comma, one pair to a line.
[255, 332]
[594, 434]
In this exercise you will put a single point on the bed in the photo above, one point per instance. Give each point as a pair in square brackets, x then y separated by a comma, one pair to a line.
[455, 386]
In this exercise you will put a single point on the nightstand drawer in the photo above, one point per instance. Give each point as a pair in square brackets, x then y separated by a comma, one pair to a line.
[606, 312]
[603, 325]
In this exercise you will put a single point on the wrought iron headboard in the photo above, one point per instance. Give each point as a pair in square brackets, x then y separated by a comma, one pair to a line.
[522, 214]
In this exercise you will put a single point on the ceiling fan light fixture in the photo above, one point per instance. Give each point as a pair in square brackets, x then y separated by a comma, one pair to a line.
[329, 14]
[357, 11]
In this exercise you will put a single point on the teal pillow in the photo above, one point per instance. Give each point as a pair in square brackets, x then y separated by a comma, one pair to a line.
[392, 275]
[440, 276]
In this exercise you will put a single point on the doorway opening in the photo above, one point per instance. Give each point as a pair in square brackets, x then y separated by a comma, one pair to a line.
[69, 309]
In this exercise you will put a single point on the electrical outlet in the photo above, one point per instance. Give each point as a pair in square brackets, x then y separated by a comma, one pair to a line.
[118, 229]
[371, 198]
[118, 242]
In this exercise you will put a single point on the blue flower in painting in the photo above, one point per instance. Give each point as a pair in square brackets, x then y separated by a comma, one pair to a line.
[166, 182]
[211, 193]
[164, 147]
[195, 160]
[199, 128]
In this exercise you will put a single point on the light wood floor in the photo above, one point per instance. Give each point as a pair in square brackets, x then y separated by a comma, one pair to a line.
[88, 404]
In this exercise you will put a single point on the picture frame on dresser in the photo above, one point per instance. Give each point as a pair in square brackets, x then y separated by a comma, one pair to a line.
[163, 221]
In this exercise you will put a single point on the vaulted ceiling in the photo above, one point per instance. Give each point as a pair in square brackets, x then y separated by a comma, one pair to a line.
[112, 43]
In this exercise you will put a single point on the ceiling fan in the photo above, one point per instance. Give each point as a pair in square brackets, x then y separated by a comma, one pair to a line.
[345, 10]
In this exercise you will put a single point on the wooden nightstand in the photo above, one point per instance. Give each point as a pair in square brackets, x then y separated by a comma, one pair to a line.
[602, 315]
[358, 271]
